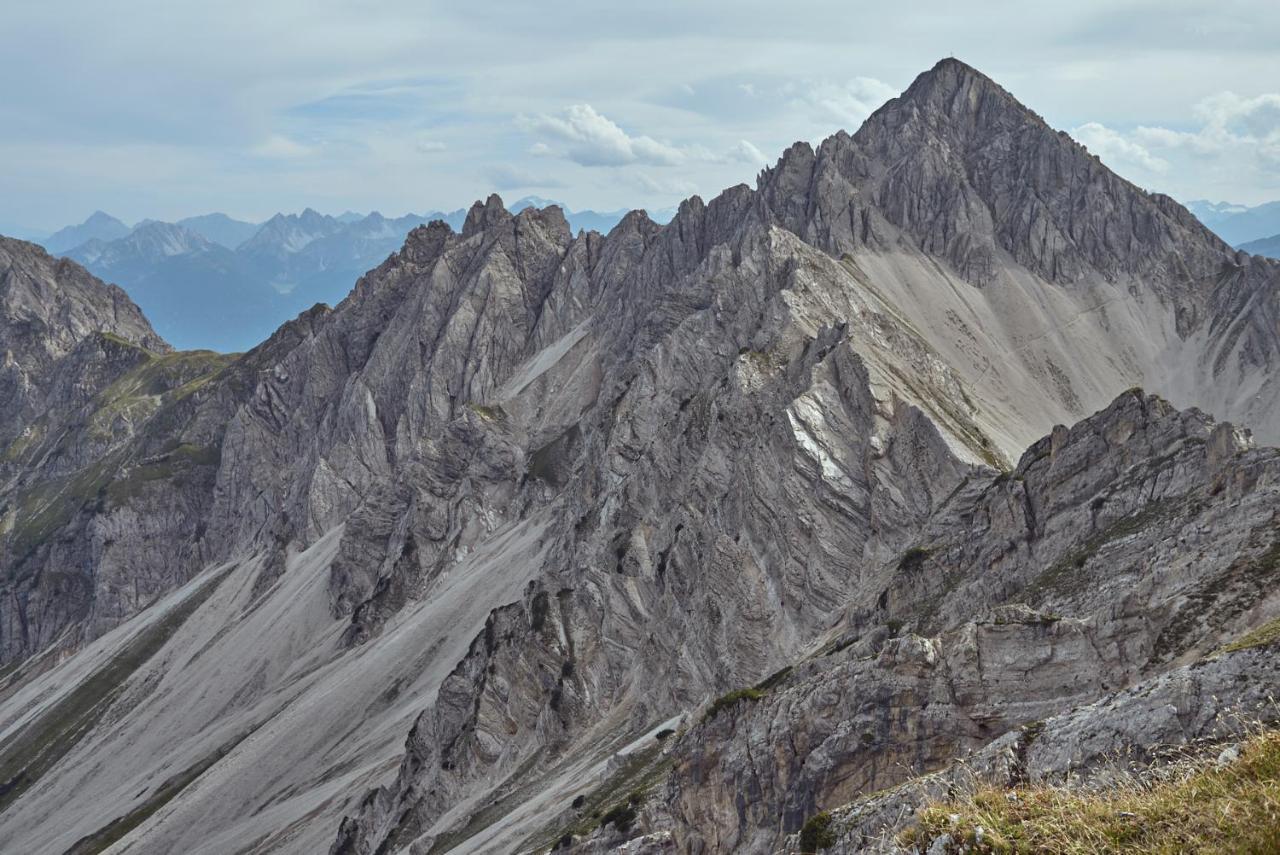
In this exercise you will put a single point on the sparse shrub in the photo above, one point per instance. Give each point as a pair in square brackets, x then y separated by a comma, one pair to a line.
[538, 611]
[663, 734]
[727, 700]
[620, 817]
[816, 834]
[913, 559]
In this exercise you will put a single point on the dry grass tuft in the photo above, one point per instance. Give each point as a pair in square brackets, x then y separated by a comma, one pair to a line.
[1202, 806]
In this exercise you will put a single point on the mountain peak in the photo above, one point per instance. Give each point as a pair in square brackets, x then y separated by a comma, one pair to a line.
[951, 65]
[98, 217]
[485, 214]
[972, 175]
[957, 90]
[98, 225]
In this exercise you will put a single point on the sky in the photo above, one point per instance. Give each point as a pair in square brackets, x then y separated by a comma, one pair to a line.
[171, 108]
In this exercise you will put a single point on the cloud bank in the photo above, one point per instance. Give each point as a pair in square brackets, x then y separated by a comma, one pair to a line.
[150, 110]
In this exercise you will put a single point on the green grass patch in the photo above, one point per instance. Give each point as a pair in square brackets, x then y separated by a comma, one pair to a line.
[620, 816]
[1268, 633]
[763, 361]
[23, 444]
[159, 380]
[44, 508]
[1201, 807]
[131, 483]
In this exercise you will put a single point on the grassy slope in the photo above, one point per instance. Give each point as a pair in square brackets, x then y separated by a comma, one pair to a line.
[1204, 806]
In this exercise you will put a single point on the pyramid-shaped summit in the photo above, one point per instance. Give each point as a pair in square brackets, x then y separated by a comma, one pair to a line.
[963, 170]
[958, 88]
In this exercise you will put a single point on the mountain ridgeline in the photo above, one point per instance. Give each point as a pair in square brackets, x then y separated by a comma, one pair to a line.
[217, 283]
[732, 534]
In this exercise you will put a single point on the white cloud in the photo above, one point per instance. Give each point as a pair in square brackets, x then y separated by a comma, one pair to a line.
[1235, 145]
[591, 139]
[429, 146]
[1256, 118]
[848, 103]
[367, 79]
[1115, 150]
[588, 138]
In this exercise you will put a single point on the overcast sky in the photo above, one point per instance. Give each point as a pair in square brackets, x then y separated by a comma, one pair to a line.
[168, 108]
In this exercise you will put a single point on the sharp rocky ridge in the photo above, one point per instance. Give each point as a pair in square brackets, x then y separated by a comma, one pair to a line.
[431, 570]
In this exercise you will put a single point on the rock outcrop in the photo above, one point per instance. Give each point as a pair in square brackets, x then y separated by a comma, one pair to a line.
[1084, 572]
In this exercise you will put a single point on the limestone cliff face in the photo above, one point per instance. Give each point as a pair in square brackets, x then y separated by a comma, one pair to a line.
[1083, 572]
[47, 308]
[430, 565]
[82, 374]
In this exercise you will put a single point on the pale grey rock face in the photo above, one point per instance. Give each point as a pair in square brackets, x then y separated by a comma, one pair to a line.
[1189, 711]
[1042, 585]
[525, 499]
[48, 307]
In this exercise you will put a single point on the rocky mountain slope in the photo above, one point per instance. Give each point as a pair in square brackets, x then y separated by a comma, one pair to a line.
[47, 309]
[670, 538]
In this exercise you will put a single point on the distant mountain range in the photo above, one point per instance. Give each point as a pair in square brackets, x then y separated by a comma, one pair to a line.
[221, 229]
[1269, 247]
[219, 283]
[600, 221]
[99, 226]
[1238, 224]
